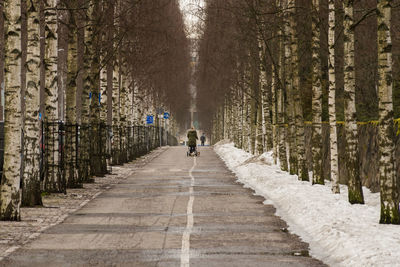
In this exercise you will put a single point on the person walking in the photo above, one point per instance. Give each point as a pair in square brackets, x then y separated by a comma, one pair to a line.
[192, 139]
[203, 139]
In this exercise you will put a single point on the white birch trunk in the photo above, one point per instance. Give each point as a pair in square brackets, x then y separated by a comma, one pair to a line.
[123, 117]
[97, 157]
[302, 170]
[130, 116]
[332, 101]
[10, 195]
[31, 194]
[62, 53]
[265, 82]
[103, 90]
[274, 115]
[244, 122]
[116, 116]
[242, 119]
[52, 180]
[248, 145]
[259, 130]
[255, 93]
[352, 161]
[288, 81]
[88, 58]
[103, 63]
[71, 117]
[281, 106]
[85, 139]
[317, 97]
[235, 118]
[281, 130]
[388, 181]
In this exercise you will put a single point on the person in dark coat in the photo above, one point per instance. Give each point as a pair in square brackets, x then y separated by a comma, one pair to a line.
[192, 139]
[203, 139]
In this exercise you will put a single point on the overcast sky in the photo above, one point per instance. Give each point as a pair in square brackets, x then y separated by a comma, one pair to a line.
[190, 10]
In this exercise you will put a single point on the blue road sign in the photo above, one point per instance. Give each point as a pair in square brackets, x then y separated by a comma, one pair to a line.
[166, 115]
[150, 119]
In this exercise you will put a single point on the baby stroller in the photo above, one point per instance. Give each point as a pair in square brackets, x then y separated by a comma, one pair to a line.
[192, 151]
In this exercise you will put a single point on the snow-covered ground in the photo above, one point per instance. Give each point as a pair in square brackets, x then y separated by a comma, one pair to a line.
[339, 234]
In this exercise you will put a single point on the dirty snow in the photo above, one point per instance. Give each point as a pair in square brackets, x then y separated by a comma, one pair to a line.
[339, 234]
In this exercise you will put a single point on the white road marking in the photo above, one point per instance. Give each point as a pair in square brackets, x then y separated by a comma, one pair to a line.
[185, 253]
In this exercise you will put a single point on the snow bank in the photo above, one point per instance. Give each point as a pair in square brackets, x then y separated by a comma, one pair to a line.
[339, 234]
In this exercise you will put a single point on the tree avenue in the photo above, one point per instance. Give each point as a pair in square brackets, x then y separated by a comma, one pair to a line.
[317, 83]
[327, 89]
[106, 65]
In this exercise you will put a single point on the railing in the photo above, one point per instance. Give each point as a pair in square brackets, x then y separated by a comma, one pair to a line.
[72, 154]
[1, 148]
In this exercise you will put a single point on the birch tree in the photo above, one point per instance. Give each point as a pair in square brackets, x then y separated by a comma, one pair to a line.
[85, 140]
[274, 114]
[302, 170]
[97, 159]
[316, 97]
[281, 128]
[265, 84]
[109, 68]
[31, 194]
[71, 118]
[103, 74]
[62, 53]
[255, 93]
[10, 195]
[280, 99]
[332, 100]
[259, 130]
[52, 181]
[352, 161]
[116, 116]
[388, 181]
[109, 65]
[116, 91]
[123, 110]
[288, 80]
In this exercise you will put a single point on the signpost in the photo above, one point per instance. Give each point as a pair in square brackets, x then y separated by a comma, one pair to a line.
[149, 120]
[166, 117]
[160, 115]
[160, 110]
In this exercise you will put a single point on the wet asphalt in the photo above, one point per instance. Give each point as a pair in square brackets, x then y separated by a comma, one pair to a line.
[174, 211]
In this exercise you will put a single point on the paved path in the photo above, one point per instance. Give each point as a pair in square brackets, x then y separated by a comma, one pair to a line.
[174, 211]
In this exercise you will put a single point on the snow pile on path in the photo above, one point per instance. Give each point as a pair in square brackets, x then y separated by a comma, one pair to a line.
[339, 234]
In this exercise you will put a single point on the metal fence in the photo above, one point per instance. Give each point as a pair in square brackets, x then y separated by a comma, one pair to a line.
[1, 148]
[83, 151]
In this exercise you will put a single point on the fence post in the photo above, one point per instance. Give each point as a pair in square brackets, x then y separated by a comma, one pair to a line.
[42, 151]
[62, 183]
